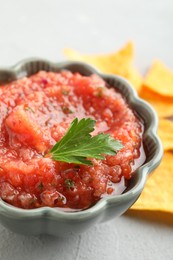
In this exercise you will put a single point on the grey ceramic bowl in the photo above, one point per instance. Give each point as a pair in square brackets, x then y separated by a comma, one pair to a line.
[55, 222]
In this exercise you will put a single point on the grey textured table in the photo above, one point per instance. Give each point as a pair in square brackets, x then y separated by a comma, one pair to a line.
[43, 28]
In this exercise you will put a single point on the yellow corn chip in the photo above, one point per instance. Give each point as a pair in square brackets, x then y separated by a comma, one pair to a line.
[107, 63]
[160, 79]
[158, 192]
[162, 105]
[166, 134]
[135, 78]
[119, 63]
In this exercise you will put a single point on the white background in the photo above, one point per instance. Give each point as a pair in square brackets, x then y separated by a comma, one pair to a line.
[42, 28]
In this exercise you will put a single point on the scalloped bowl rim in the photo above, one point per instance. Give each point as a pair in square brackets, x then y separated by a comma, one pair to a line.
[142, 171]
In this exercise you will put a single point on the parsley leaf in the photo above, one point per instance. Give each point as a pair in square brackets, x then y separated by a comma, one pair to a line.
[77, 144]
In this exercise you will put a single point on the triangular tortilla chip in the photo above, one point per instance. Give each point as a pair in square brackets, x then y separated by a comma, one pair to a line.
[160, 79]
[158, 192]
[162, 105]
[118, 63]
[107, 63]
[165, 133]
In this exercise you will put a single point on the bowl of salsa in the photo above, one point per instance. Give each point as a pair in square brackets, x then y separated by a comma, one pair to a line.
[76, 146]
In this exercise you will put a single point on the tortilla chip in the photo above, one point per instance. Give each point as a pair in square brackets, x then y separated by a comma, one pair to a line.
[166, 134]
[135, 78]
[162, 105]
[106, 62]
[118, 63]
[158, 192]
[160, 79]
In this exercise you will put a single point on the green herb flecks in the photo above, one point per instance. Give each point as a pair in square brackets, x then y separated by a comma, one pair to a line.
[65, 92]
[66, 110]
[40, 186]
[100, 92]
[69, 184]
[77, 144]
[29, 109]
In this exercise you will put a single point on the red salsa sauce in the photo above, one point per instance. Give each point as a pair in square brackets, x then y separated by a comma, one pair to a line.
[35, 113]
